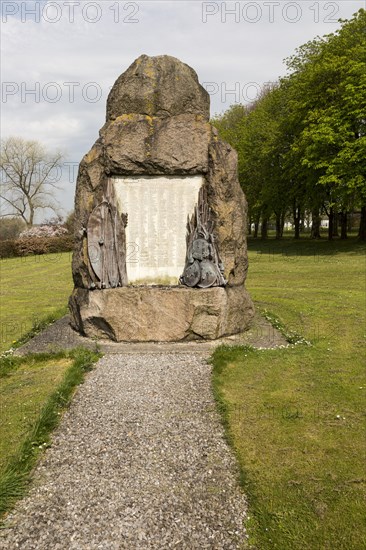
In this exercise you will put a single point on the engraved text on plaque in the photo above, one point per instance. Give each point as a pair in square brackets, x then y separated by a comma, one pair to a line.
[157, 209]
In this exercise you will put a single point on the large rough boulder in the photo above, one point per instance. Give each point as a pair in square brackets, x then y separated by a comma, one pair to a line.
[139, 314]
[159, 86]
[157, 124]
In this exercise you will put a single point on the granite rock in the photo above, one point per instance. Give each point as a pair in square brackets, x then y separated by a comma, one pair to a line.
[155, 314]
[158, 86]
[157, 124]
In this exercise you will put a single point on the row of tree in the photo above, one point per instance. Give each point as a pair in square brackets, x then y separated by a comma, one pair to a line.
[302, 143]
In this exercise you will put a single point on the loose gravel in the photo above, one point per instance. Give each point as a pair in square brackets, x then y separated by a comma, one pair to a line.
[139, 461]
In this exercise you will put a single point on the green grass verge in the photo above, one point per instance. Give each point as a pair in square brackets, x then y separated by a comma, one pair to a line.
[25, 386]
[295, 416]
[34, 290]
[34, 391]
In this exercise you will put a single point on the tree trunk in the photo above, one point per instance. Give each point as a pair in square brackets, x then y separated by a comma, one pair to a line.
[264, 228]
[296, 212]
[331, 224]
[31, 216]
[307, 220]
[315, 224]
[282, 223]
[302, 222]
[256, 226]
[297, 228]
[335, 224]
[344, 224]
[250, 226]
[362, 229]
[279, 228]
[350, 221]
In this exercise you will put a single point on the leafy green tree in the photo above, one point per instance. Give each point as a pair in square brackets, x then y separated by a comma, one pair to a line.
[302, 144]
[328, 104]
[255, 132]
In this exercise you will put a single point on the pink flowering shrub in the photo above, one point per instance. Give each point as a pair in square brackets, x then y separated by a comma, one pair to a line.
[44, 231]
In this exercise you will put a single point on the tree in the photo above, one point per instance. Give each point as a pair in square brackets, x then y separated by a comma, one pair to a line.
[255, 132]
[10, 228]
[302, 144]
[28, 178]
[328, 88]
[70, 222]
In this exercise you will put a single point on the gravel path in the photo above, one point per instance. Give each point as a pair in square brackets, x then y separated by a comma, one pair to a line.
[138, 462]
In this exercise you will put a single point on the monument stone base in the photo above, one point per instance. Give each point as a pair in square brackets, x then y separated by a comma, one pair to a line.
[161, 314]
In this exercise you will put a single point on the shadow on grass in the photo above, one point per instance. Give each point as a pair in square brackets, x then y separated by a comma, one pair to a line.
[288, 246]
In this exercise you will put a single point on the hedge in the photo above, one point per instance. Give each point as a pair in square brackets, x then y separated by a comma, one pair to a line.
[35, 245]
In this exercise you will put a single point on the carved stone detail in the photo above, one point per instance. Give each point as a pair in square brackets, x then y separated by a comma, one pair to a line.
[106, 242]
[204, 267]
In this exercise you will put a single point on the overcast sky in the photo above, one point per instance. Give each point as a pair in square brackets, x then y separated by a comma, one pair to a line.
[60, 58]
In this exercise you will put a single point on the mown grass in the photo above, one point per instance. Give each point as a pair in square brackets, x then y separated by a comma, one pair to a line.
[34, 390]
[33, 291]
[295, 416]
[23, 392]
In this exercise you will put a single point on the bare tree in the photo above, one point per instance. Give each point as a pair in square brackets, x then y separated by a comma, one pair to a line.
[28, 178]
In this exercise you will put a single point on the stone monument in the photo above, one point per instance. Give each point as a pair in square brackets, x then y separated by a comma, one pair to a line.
[160, 251]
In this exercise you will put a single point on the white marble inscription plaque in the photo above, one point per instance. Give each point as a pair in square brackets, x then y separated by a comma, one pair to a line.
[157, 208]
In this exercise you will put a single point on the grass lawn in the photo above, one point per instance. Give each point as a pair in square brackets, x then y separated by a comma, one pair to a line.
[31, 288]
[23, 393]
[295, 416]
[34, 390]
